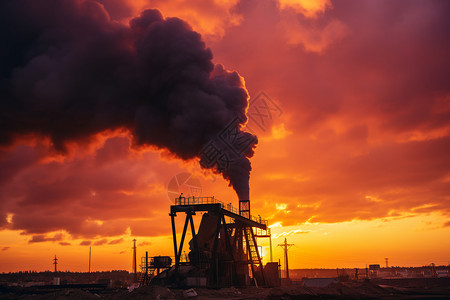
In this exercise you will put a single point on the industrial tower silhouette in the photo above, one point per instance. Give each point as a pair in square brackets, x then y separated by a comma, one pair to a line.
[134, 261]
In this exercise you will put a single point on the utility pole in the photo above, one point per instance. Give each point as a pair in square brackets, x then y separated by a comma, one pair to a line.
[55, 262]
[89, 276]
[89, 259]
[286, 247]
[134, 260]
[386, 259]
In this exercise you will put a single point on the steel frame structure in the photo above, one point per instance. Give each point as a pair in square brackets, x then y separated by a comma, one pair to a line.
[236, 232]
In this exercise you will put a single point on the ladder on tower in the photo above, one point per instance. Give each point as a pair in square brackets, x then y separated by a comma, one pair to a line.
[145, 277]
[147, 270]
[253, 254]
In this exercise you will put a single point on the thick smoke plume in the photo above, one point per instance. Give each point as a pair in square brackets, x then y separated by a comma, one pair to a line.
[69, 72]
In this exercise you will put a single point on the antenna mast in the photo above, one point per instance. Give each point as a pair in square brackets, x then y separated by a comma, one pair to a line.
[134, 260]
[55, 262]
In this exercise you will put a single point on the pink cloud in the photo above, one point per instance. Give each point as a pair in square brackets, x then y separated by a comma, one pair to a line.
[100, 242]
[144, 244]
[211, 18]
[116, 241]
[95, 194]
[369, 116]
[44, 238]
[363, 114]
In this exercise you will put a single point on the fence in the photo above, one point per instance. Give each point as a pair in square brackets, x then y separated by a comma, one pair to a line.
[212, 200]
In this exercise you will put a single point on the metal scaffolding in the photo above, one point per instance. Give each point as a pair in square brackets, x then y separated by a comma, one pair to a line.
[225, 243]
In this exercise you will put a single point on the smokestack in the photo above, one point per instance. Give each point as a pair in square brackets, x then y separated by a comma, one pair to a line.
[69, 72]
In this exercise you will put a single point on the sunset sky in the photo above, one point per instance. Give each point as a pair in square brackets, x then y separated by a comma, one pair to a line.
[352, 163]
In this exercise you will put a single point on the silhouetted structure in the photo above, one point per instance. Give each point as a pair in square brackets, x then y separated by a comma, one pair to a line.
[286, 247]
[55, 262]
[223, 250]
[89, 259]
[134, 261]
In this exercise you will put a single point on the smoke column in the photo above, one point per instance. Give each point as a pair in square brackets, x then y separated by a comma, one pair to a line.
[68, 72]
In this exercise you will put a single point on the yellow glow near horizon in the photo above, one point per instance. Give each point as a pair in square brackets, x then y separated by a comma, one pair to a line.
[22, 255]
[412, 241]
[409, 241]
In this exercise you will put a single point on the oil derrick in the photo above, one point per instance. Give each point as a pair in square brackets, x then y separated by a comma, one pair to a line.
[223, 250]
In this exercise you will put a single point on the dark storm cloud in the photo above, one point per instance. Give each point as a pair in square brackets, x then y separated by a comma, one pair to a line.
[69, 72]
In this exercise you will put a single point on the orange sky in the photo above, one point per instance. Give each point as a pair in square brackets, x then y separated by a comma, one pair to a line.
[353, 166]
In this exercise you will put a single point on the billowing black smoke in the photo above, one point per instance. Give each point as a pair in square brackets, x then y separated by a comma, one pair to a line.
[68, 72]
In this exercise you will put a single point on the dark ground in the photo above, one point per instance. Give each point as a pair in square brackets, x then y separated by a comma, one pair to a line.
[425, 288]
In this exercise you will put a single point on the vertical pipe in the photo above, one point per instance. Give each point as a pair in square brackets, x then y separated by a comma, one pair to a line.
[146, 268]
[270, 241]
